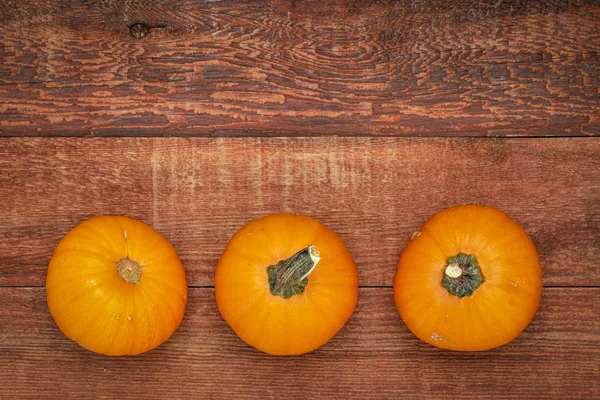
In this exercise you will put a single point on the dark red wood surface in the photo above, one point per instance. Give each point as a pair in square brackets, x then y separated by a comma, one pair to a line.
[437, 78]
[374, 192]
[373, 357]
[303, 68]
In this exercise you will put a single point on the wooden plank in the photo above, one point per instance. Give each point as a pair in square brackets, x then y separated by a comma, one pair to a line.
[375, 192]
[350, 67]
[373, 356]
[47, 187]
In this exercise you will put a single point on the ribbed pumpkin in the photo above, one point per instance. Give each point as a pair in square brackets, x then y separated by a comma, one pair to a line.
[470, 279]
[116, 286]
[286, 284]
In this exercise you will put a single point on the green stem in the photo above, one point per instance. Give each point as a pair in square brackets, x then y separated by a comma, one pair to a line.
[462, 275]
[290, 276]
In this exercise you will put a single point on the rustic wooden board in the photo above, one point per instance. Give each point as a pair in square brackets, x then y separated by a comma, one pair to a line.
[314, 70]
[332, 67]
[373, 357]
[374, 192]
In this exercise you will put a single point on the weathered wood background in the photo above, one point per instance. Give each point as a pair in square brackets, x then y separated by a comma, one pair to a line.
[438, 102]
[326, 67]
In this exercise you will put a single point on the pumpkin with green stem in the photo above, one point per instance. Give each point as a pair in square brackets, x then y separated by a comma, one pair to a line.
[286, 284]
[469, 279]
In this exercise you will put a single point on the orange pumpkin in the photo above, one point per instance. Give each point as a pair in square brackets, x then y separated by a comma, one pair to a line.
[286, 284]
[470, 279]
[116, 286]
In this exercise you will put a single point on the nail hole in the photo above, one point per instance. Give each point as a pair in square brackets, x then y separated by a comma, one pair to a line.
[139, 31]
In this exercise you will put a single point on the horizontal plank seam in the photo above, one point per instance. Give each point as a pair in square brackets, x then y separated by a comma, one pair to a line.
[279, 136]
[360, 287]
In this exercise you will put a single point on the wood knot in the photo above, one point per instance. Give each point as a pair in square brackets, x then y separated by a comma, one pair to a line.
[139, 30]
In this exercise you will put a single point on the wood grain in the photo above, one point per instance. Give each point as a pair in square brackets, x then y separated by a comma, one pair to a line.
[375, 192]
[276, 68]
[373, 357]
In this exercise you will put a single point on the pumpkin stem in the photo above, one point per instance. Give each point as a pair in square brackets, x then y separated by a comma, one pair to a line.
[129, 270]
[289, 277]
[462, 275]
[453, 270]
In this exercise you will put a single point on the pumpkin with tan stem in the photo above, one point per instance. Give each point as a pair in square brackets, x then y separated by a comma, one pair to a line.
[116, 286]
[286, 284]
[470, 279]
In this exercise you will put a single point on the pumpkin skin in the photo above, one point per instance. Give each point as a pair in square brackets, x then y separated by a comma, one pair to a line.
[269, 322]
[498, 309]
[95, 306]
